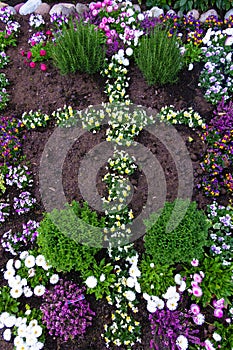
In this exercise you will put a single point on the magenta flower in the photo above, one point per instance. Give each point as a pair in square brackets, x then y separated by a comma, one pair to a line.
[32, 64]
[197, 278]
[194, 262]
[197, 291]
[43, 67]
[29, 55]
[42, 52]
[195, 309]
[218, 313]
[218, 304]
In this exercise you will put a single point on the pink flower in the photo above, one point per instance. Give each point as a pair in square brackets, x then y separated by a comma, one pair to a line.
[42, 52]
[197, 291]
[197, 278]
[49, 33]
[22, 52]
[219, 304]
[32, 64]
[194, 262]
[43, 66]
[199, 319]
[218, 313]
[195, 309]
[29, 55]
[33, 43]
[208, 345]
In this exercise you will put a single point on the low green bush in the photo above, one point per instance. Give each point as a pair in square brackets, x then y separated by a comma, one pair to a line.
[78, 48]
[181, 244]
[69, 238]
[158, 57]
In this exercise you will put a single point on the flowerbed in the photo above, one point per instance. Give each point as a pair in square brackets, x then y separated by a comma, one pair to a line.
[180, 280]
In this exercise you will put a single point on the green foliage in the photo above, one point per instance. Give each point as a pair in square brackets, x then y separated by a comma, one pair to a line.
[202, 5]
[41, 52]
[163, 4]
[2, 182]
[60, 234]
[158, 57]
[78, 48]
[7, 303]
[193, 53]
[105, 278]
[155, 278]
[226, 333]
[181, 243]
[6, 40]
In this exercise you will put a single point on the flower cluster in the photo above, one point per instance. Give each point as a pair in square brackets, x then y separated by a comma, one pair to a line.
[122, 163]
[188, 117]
[66, 313]
[4, 97]
[4, 59]
[91, 117]
[4, 211]
[36, 21]
[20, 176]
[28, 275]
[65, 117]
[33, 119]
[220, 233]
[23, 203]
[216, 77]
[16, 242]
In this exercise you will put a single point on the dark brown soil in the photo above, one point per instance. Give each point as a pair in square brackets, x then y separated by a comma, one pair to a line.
[34, 89]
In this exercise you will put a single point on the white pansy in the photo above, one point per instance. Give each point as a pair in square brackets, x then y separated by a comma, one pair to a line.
[137, 287]
[141, 16]
[130, 295]
[172, 304]
[134, 271]
[46, 266]
[31, 340]
[8, 274]
[22, 330]
[129, 51]
[33, 323]
[178, 279]
[7, 334]
[182, 286]
[54, 278]
[9, 264]
[16, 292]
[38, 346]
[182, 342]
[4, 316]
[23, 255]
[151, 306]
[146, 296]
[31, 272]
[30, 261]
[10, 321]
[170, 293]
[40, 260]
[91, 282]
[27, 292]
[39, 290]
[228, 31]
[36, 331]
[18, 341]
[130, 282]
[2, 325]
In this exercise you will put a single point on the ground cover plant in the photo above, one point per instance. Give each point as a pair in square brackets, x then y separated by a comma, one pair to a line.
[78, 276]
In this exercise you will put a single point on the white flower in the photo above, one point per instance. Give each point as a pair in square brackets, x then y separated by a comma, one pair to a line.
[30, 261]
[178, 279]
[22, 330]
[141, 17]
[36, 331]
[137, 287]
[182, 342]
[31, 339]
[146, 296]
[39, 290]
[23, 255]
[182, 286]
[33, 323]
[38, 346]
[54, 278]
[229, 57]
[4, 316]
[172, 304]
[8, 274]
[17, 264]
[46, 266]
[217, 337]
[130, 295]
[40, 260]
[16, 292]
[10, 321]
[134, 271]
[27, 292]
[190, 67]
[18, 341]
[125, 62]
[170, 293]
[91, 282]
[151, 306]
[129, 51]
[130, 282]
[102, 277]
[1, 325]
[7, 334]
[31, 272]
[9, 264]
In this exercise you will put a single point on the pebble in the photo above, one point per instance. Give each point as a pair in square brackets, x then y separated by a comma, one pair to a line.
[194, 13]
[43, 9]
[207, 14]
[62, 9]
[18, 6]
[29, 7]
[228, 14]
[81, 8]
[156, 11]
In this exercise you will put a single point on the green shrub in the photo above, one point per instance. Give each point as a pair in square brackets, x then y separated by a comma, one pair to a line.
[155, 278]
[70, 237]
[181, 244]
[202, 5]
[78, 48]
[158, 57]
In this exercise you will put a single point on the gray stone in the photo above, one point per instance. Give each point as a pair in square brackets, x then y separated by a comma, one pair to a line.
[59, 8]
[67, 11]
[156, 11]
[228, 14]
[43, 9]
[207, 14]
[18, 6]
[12, 10]
[194, 13]
[81, 8]
[29, 7]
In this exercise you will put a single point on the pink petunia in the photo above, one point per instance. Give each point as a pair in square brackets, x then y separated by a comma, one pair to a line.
[42, 52]
[219, 304]
[32, 64]
[29, 55]
[197, 291]
[197, 278]
[218, 313]
[43, 67]
[194, 262]
[195, 309]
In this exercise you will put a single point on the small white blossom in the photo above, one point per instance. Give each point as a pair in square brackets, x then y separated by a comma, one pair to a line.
[91, 282]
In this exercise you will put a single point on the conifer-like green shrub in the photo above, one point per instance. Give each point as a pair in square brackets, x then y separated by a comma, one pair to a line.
[69, 238]
[158, 57]
[78, 48]
[181, 244]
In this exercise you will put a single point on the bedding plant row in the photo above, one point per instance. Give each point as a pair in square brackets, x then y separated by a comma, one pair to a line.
[184, 275]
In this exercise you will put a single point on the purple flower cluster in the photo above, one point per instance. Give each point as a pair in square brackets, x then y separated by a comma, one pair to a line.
[10, 144]
[223, 117]
[15, 242]
[168, 325]
[19, 176]
[4, 211]
[66, 313]
[24, 203]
